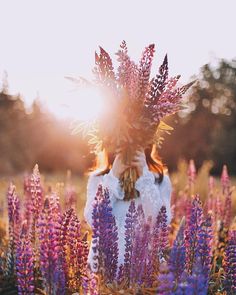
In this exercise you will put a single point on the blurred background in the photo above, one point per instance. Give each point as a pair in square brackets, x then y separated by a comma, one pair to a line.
[44, 42]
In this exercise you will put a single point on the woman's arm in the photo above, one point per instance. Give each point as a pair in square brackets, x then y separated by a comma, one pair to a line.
[154, 196]
[108, 181]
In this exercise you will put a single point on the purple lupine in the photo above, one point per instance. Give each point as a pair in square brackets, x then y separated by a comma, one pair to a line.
[204, 245]
[36, 192]
[82, 261]
[230, 264]
[166, 280]
[160, 235]
[105, 236]
[49, 250]
[13, 228]
[191, 232]
[130, 225]
[25, 263]
[140, 249]
[158, 247]
[193, 284]
[120, 274]
[177, 255]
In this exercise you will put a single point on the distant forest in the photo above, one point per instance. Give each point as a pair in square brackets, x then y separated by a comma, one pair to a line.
[206, 131]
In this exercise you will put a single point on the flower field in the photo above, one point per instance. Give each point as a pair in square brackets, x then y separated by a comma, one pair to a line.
[44, 240]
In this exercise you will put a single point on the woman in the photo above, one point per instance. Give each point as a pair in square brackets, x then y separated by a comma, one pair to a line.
[153, 185]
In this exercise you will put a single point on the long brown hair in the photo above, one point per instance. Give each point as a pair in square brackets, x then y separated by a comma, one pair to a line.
[103, 162]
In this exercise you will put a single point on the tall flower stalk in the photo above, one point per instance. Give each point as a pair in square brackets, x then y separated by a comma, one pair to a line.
[105, 236]
[25, 263]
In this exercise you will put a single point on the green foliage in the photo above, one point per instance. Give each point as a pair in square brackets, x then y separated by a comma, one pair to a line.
[207, 130]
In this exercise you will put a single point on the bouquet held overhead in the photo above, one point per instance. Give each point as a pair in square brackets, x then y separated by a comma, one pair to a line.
[134, 107]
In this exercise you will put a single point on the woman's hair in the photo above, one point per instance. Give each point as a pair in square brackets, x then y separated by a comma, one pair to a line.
[103, 162]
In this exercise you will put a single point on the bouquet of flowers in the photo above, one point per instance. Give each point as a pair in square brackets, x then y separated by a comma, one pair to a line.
[135, 106]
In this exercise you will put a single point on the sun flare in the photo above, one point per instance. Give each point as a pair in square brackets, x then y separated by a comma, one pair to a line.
[85, 104]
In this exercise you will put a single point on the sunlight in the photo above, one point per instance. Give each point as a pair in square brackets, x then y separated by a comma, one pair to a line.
[86, 104]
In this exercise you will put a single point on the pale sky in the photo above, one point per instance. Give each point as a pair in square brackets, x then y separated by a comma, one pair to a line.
[43, 41]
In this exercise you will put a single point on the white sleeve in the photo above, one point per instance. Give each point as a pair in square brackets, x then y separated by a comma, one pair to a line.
[154, 196]
[108, 181]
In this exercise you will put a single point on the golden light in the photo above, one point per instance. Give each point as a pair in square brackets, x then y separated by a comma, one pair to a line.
[86, 104]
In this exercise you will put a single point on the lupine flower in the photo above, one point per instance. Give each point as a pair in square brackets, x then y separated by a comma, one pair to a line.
[193, 284]
[225, 180]
[105, 236]
[120, 274]
[191, 174]
[25, 263]
[204, 245]
[13, 209]
[166, 280]
[70, 197]
[13, 229]
[49, 251]
[140, 251]
[230, 264]
[130, 225]
[191, 233]
[74, 249]
[160, 235]
[36, 192]
[176, 260]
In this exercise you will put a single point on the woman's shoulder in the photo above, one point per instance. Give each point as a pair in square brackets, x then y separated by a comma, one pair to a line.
[166, 182]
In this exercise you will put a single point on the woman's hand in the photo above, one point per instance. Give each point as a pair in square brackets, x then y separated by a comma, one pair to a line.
[139, 161]
[118, 166]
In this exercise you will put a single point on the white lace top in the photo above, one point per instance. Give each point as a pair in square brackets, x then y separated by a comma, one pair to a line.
[152, 197]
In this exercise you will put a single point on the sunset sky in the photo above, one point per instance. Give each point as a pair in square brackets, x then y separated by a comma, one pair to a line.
[44, 41]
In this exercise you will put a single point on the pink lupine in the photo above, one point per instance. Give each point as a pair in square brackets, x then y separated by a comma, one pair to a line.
[75, 250]
[13, 228]
[140, 250]
[191, 175]
[225, 180]
[227, 193]
[70, 197]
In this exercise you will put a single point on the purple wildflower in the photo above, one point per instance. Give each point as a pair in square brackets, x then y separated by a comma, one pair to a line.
[177, 255]
[230, 264]
[25, 263]
[49, 250]
[130, 225]
[105, 236]
[14, 222]
[191, 232]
